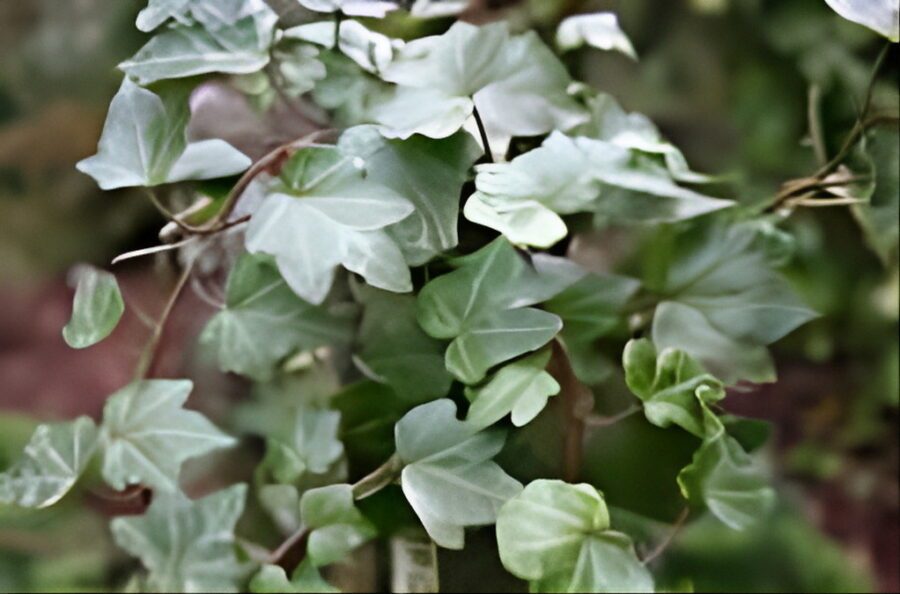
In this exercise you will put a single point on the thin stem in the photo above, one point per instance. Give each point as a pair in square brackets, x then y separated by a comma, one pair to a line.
[486, 143]
[284, 548]
[667, 541]
[596, 421]
[168, 214]
[577, 401]
[814, 116]
[145, 363]
[378, 479]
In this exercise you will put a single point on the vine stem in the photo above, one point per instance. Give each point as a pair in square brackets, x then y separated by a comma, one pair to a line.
[596, 421]
[148, 357]
[486, 143]
[667, 541]
[577, 401]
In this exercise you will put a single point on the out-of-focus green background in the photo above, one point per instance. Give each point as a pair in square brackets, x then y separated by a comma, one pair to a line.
[727, 80]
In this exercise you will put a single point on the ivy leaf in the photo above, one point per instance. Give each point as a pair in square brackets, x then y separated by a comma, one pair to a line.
[144, 143]
[272, 579]
[480, 308]
[394, 350]
[524, 198]
[263, 321]
[449, 478]
[517, 83]
[147, 434]
[675, 389]
[96, 309]
[310, 446]
[51, 464]
[428, 173]
[361, 8]
[324, 212]
[190, 50]
[558, 537]
[337, 527]
[348, 91]
[187, 546]
[882, 16]
[725, 304]
[521, 388]
[212, 14]
[726, 480]
[158, 12]
[371, 50]
[880, 218]
[600, 30]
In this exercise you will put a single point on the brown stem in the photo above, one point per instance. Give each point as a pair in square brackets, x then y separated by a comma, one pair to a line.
[597, 421]
[577, 402]
[145, 366]
[667, 541]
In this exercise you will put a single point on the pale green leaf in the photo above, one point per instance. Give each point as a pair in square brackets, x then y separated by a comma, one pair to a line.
[325, 212]
[600, 30]
[147, 434]
[517, 83]
[144, 143]
[263, 321]
[674, 388]
[882, 16]
[337, 527]
[360, 8]
[212, 14]
[311, 444]
[726, 480]
[96, 309]
[521, 388]
[187, 546]
[482, 308]
[724, 304]
[51, 464]
[372, 51]
[880, 218]
[182, 51]
[271, 579]
[449, 478]
[557, 536]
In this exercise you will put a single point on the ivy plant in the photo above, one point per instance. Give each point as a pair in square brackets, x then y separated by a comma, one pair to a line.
[407, 286]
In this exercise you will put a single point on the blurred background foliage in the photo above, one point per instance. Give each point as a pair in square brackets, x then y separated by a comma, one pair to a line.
[729, 81]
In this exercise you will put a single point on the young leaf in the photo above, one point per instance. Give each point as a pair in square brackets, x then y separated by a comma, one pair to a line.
[272, 579]
[600, 30]
[879, 15]
[147, 434]
[263, 321]
[675, 389]
[517, 83]
[52, 462]
[337, 527]
[521, 388]
[725, 304]
[449, 479]
[428, 173]
[558, 537]
[726, 480]
[96, 310]
[481, 307]
[144, 143]
[187, 546]
[182, 51]
[325, 212]
[311, 446]
[394, 350]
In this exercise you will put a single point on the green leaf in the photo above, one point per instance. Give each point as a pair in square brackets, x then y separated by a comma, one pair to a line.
[182, 51]
[879, 15]
[147, 434]
[674, 388]
[361, 8]
[337, 527]
[96, 310]
[724, 304]
[430, 174]
[187, 546]
[311, 446]
[212, 14]
[449, 478]
[394, 350]
[558, 537]
[51, 464]
[880, 218]
[517, 83]
[263, 321]
[144, 143]
[481, 307]
[372, 51]
[158, 12]
[524, 198]
[272, 579]
[600, 30]
[323, 212]
[726, 480]
[521, 388]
